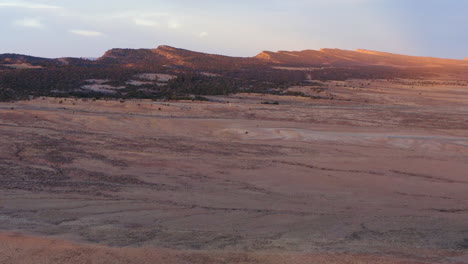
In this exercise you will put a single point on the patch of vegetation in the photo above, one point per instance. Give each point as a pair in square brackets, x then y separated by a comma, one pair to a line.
[295, 93]
[68, 80]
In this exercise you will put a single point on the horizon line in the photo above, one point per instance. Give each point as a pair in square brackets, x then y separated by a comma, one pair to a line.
[234, 56]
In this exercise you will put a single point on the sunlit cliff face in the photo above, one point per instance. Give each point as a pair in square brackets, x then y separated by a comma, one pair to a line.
[358, 57]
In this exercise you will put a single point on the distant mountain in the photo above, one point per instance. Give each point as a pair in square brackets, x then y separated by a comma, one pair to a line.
[168, 72]
[24, 61]
[360, 57]
[18, 59]
[174, 57]
[170, 56]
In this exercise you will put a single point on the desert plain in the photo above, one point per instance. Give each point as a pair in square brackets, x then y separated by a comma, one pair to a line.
[378, 174]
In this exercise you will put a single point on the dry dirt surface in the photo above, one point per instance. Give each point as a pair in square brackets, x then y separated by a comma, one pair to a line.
[15, 249]
[377, 175]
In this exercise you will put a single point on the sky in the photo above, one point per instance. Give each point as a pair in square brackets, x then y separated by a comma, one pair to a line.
[88, 28]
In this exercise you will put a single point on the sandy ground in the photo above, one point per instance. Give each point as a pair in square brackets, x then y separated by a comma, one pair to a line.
[14, 248]
[375, 175]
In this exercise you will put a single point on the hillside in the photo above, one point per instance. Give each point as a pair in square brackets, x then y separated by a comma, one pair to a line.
[123, 73]
[176, 57]
[166, 55]
[25, 61]
[360, 57]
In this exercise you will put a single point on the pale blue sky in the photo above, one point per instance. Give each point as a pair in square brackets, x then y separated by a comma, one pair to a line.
[85, 28]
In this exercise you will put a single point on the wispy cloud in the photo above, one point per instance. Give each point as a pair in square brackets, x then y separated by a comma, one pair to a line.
[203, 35]
[145, 22]
[173, 24]
[86, 33]
[24, 4]
[152, 19]
[29, 22]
